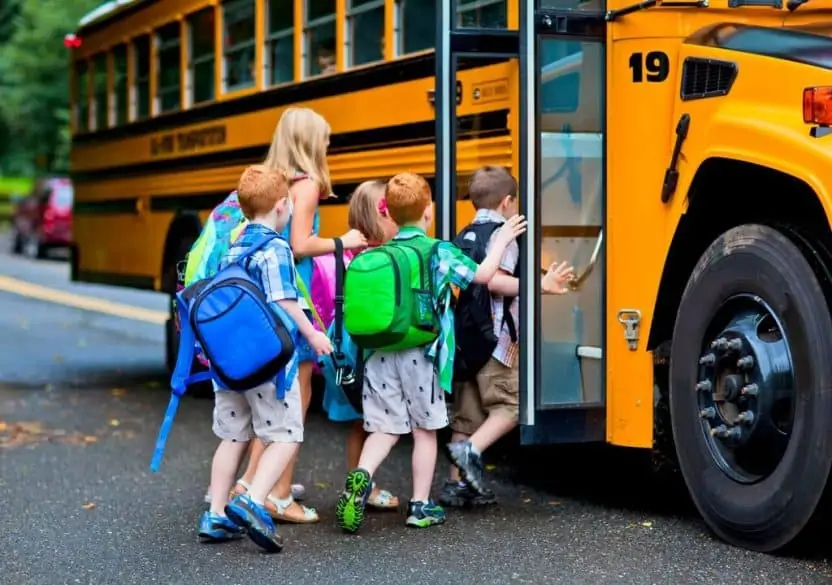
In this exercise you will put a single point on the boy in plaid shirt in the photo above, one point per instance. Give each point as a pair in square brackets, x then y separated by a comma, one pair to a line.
[403, 390]
[239, 416]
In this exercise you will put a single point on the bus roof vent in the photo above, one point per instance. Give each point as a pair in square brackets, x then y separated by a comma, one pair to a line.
[705, 78]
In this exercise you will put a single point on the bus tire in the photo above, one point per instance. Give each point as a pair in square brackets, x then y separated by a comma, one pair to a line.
[202, 389]
[757, 482]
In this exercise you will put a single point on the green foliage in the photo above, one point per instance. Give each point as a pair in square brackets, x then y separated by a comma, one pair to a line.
[34, 83]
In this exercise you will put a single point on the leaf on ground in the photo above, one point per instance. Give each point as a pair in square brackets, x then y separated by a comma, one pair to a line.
[118, 392]
[647, 524]
[555, 503]
[152, 384]
[490, 467]
[114, 422]
[527, 501]
[90, 439]
[323, 485]
[88, 506]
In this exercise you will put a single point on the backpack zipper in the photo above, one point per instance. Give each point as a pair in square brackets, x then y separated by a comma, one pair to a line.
[397, 283]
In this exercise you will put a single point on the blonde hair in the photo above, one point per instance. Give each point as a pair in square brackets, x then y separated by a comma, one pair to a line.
[299, 146]
[408, 195]
[259, 190]
[364, 211]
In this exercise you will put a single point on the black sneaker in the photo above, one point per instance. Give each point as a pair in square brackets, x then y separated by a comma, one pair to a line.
[460, 495]
[469, 463]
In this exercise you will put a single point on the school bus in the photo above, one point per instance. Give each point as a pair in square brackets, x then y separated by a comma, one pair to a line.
[677, 152]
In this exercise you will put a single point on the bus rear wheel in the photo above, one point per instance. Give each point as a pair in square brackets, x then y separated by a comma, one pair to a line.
[750, 380]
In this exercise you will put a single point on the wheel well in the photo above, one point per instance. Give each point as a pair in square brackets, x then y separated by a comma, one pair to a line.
[716, 205]
[185, 224]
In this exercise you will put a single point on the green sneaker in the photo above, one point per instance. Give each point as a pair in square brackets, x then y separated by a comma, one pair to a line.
[351, 504]
[424, 514]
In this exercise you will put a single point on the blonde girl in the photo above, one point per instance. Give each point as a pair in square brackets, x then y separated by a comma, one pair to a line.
[367, 214]
[299, 147]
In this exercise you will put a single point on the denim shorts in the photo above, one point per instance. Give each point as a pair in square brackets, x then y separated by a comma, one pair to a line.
[304, 350]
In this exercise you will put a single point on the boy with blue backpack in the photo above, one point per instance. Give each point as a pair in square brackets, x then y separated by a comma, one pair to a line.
[246, 320]
[396, 308]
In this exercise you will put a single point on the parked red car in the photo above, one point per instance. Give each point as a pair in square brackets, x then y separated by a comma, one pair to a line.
[43, 219]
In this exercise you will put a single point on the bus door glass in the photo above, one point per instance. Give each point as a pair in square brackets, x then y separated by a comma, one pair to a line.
[475, 101]
[562, 89]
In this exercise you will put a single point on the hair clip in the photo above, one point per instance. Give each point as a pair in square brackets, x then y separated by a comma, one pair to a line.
[382, 206]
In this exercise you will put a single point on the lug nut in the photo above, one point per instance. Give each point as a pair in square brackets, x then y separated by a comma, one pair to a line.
[709, 412]
[723, 432]
[720, 343]
[704, 386]
[750, 390]
[745, 363]
[746, 417]
[719, 431]
[735, 345]
[708, 359]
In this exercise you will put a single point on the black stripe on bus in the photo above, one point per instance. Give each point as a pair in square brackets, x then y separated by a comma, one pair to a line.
[383, 74]
[798, 44]
[487, 124]
[196, 201]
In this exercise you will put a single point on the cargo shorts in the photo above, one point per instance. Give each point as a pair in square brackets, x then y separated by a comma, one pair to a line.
[401, 392]
[495, 390]
[241, 416]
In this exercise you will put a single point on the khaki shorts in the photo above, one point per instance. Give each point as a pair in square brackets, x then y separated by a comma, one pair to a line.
[401, 392]
[495, 391]
[240, 416]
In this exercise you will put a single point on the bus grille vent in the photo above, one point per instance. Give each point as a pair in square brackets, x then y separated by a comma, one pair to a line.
[705, 78]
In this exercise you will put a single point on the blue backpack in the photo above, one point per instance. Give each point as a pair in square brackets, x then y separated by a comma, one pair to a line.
[247, 341]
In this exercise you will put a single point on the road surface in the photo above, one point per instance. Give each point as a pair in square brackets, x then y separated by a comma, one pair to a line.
[81, 397]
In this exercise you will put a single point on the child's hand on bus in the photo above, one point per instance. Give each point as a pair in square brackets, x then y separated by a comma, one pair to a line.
[320, 343]
[512, 228]
[556, 279]
[353, 240]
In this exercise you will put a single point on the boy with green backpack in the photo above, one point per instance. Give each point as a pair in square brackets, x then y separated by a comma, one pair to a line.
[396, 308]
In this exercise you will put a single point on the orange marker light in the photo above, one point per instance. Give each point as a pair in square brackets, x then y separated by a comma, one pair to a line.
[817, 105]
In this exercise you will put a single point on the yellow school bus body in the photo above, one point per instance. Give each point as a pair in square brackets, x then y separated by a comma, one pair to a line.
[132, 214]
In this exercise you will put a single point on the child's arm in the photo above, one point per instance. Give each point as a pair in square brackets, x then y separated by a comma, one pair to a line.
[513, 228]
[554, 282]
[304, 242]
[293, 309]
[504, 284]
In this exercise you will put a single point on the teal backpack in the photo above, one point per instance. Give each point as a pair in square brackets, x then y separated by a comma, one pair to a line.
[389, 295]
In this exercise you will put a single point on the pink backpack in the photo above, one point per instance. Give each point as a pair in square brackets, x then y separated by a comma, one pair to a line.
[322, 290]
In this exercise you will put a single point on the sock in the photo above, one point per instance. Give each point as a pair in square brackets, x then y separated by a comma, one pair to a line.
[474, 450]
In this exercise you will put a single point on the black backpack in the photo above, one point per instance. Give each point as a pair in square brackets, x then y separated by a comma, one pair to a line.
[473, 319]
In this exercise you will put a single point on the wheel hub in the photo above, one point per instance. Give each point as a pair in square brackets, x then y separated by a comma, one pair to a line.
[746, 389]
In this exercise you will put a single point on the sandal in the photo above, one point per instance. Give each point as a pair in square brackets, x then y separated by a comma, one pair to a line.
[242, 486]
[278, 510]
[382, 499]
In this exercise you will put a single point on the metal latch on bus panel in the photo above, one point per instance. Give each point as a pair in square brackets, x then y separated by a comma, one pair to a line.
[630, 318]
[432, 94]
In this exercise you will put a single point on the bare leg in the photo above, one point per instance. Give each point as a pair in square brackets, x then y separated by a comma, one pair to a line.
[376, 448]
[223, 470]
[355, 442]
[255, 451]
[495, 427]
[424, 463]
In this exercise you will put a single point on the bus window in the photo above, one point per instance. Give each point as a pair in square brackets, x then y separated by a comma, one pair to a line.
[141, 64]
[238, 41]
[99, 84]
[82, 96]
[168, 77]
[119, 102]
[417, 27]
[319, 33]
[201, 47]
[281, 41]
[573, 4]
[365, 22]
[482, 14]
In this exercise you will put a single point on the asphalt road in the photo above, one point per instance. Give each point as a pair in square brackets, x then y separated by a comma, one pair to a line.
[81, 397]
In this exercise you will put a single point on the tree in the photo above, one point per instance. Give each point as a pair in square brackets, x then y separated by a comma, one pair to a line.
[34, 82]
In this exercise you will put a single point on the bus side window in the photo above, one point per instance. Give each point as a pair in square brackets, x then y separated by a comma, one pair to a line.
[168, 80]
[141, 64]
[82, 96]
[280, 38]
[417, 29]
[201, 53]
[365, 36]
[482, 14]
[120, 89]
[99, 80]
[238, 44]
[319, 37]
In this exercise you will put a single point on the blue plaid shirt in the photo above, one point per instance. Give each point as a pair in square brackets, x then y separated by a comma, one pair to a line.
[274, 268]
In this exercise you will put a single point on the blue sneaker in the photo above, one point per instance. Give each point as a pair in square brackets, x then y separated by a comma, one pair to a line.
[215, 528]
[255, 520]
[424, 514]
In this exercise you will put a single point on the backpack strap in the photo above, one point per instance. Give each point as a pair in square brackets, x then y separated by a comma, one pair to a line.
[258, 245]
[304, 292]
[339, 295]
[180, 380]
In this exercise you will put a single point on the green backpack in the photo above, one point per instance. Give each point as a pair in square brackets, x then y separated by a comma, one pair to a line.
[389, 296]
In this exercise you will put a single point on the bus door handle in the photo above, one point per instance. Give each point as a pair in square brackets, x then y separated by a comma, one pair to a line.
[578, 280]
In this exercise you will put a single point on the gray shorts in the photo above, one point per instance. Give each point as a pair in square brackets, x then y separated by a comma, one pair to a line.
[240, 416]
[401, 392]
